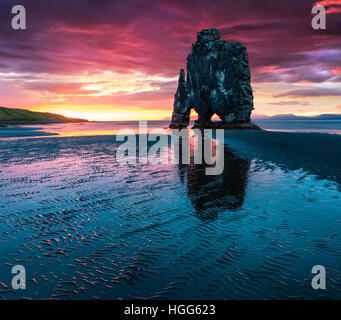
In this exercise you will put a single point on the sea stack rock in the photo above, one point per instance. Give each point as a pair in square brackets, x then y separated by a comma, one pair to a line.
[182, 110]
[218, 82]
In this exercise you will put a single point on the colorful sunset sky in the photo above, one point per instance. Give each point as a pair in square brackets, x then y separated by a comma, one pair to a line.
[119, 60]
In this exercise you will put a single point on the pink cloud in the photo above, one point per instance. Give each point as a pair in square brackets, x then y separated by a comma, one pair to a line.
[153, 38]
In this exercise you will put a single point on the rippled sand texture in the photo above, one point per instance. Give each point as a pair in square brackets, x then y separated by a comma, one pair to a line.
[86, 227]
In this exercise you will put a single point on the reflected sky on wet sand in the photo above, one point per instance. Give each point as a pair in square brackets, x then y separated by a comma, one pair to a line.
[85, 226]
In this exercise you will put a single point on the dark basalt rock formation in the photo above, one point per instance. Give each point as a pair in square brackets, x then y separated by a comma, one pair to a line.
[182, 110]
[218, 82]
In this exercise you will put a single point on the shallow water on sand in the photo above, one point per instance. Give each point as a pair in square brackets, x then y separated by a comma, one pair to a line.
[112, 127]
[321, 126]
[85, 226]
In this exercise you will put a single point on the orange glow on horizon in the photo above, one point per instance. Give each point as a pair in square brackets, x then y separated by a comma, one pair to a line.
[137, 115]
[112, 97]
[120, 115]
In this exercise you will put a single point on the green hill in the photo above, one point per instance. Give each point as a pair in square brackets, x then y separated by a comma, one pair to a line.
[18, 115]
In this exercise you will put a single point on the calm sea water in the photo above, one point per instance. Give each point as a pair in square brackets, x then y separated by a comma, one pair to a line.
[86, 227]
[323, 126]
[111, 127]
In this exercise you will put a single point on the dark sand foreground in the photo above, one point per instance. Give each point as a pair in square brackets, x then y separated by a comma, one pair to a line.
[316, 153]
[86, 227]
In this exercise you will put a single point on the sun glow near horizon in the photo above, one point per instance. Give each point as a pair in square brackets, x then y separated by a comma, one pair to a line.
[110, 96]
[118, 115]
[141, 114]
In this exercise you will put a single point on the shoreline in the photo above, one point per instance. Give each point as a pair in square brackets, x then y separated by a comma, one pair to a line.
[19, 130]
[24, 122]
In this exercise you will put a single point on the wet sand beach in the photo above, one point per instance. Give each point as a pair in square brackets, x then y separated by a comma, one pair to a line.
[86, 227]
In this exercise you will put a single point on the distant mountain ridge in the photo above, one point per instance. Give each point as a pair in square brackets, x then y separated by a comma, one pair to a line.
[294, 117]
[9, 115]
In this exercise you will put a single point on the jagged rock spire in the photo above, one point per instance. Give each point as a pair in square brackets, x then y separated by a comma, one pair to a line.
[218, 82]
[181, 113]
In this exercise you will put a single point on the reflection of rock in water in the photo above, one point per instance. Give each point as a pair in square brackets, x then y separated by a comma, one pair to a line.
[213, 194]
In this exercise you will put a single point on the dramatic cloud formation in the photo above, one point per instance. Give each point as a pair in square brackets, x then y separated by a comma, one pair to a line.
[290, 102]
[316, 92]
[333, 6]
[120, 59]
